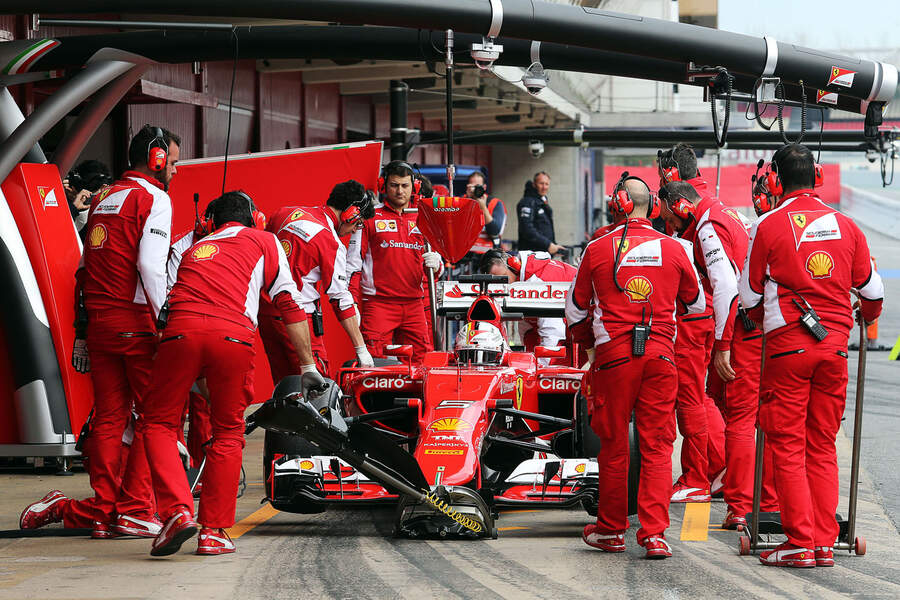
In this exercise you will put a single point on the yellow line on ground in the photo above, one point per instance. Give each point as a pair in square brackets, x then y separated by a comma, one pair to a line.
[510, 528]
[247, 523]
[695, 526]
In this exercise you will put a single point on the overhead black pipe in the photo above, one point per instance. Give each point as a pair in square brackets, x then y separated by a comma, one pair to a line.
[399, 114]
[618, 136]
[344, 43]
[533, 20]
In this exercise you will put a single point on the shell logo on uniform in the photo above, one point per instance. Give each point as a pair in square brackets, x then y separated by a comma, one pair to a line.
[307, 465]
[579, 468]
[286, 246]
[819, 264]
[385, 225]
[205, 251]
[638, 289]
[450, 424]
[800, 220]
[620, 242]
[97, 237]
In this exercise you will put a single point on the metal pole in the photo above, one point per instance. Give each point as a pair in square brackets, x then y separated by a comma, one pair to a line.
[90, 118]
[94, 76]
[718, 171]
[760, 457]
[857, 433]
[132, 24]
[399, 94]
[451, 169]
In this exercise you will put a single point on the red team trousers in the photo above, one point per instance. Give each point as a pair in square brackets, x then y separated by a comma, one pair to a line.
[699, 420]
[395, 321]
[195, 346]
[121, 343]
[283, 359]
[803, 396]
[741, 399]
[622, 384]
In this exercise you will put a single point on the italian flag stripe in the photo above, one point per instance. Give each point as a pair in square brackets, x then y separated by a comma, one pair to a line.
[22, 62]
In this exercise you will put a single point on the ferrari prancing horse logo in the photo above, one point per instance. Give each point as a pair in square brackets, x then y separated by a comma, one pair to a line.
[800, 220]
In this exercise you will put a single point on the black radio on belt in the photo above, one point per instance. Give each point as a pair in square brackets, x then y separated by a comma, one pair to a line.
[163, 318]
[810, 320]
[639, 336]
[318, 324]
[746, 321]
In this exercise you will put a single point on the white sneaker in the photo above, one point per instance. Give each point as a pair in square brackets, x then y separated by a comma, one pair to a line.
[128, 525]
[682, 493]
[715, 488]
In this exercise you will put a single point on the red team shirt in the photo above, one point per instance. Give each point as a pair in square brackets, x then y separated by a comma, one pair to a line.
[218, 287]
[315, 253]
[818, 252]
[389, 256]
[654, 270]
[129, 224]
[538, 266]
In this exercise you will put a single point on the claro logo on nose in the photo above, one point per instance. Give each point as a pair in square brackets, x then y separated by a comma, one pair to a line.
[560, 385]
[383, 383]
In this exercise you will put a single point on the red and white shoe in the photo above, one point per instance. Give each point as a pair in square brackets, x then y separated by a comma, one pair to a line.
[179, 528]
[104, 531]
[43, 512]
[789, 555]
[683, 493]
[824, 556]
[717, 484]
[214, 541]
[657, 547]
[608, 542]
[734, 521]
[128, 525]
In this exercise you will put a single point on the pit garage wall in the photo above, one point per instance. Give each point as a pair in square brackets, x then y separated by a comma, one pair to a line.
[571, 186]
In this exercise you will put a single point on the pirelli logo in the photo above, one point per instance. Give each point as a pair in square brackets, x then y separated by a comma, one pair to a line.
[444, 452]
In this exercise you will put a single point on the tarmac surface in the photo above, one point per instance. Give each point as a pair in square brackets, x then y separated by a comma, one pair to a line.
[539, 554]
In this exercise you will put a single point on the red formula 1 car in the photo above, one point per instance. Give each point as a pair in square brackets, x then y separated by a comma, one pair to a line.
[485, 425]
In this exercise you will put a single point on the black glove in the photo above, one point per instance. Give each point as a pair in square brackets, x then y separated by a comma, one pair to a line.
[312, 384]
[80, 358]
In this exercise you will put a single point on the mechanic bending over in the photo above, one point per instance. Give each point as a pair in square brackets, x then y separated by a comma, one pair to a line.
[310, 237]
[699, 418]
[804, 260]
[392, 254]
[535, 267]
[634, 276]
[210, 330]
[720, 246]
[121, 286]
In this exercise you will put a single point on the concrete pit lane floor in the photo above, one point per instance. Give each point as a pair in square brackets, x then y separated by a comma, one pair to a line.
[349, 553]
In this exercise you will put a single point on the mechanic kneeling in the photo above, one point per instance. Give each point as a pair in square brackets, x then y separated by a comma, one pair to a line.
[804, 260]
[211, 323]
[634, 276]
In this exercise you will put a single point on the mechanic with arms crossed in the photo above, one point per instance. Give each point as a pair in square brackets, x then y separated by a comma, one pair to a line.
[391, 257]
[210, 330]
[635, 277]
[310, 237]
[804, 260]
[122, 280]
[699, 419]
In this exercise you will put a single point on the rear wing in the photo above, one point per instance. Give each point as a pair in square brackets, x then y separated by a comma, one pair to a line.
[531, 299]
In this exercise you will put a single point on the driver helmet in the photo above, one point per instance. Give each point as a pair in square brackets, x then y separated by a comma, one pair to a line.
[480, 343]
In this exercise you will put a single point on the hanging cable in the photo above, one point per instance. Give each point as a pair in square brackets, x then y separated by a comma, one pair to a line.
[781, 101]
[230, 106]
[755, 105]
[723, 79]
[884, 159]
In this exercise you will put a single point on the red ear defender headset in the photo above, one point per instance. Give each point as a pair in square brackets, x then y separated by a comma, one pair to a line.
[762, 201]
[360, 210]
[820, 176]
[514, 264]
[382, 181]
[157, 150]
[671, 173]
[621, 201]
